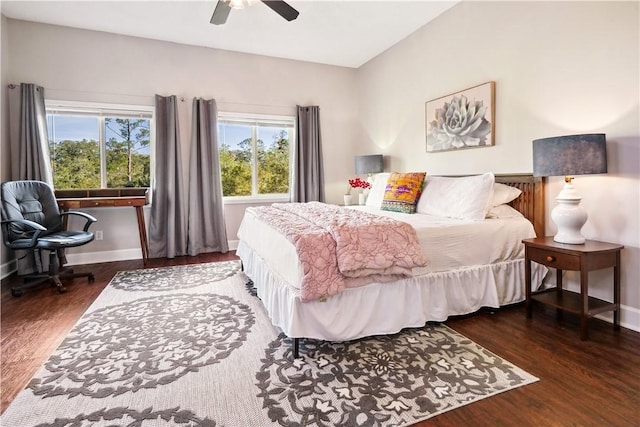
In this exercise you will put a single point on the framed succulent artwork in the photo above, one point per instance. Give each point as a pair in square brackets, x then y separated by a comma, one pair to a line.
[464, 119]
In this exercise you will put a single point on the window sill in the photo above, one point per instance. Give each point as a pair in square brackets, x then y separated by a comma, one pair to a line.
[250, 200]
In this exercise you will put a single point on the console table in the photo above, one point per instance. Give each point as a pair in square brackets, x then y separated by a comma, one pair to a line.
[109, 198]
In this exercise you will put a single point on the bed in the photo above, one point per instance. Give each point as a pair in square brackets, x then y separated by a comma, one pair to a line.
[471, 264]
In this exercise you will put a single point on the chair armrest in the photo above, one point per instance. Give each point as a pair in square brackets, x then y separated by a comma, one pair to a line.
[37, 227]
[90, 219]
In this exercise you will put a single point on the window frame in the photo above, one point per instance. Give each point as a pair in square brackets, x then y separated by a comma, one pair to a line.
[103, 110]
[254, 120]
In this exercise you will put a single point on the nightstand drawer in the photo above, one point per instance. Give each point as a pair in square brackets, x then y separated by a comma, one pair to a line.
[554, 259]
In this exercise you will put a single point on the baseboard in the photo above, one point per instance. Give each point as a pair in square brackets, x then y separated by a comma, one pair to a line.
[8, 268]
[119, 255]
[104, 256]
[629, 317]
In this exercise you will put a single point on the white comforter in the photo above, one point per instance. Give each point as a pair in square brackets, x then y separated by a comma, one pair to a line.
[448, 244]
[471, 265]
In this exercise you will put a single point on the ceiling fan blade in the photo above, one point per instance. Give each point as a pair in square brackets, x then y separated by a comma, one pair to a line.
[221, 12]
[282, 8]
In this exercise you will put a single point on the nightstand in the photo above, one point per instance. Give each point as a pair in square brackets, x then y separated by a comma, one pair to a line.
[592, 255]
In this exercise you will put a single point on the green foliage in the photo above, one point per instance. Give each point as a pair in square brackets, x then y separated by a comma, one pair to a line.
[273, 167]
[235, 171]
[76, 164]
[126, 167]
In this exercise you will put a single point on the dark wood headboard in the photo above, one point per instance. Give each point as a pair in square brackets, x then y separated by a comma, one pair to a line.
[531, 202]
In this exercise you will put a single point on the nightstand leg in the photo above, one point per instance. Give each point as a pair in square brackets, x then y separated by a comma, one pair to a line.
[584, 299]
[616, 293]
[527, 284]
[559, 311]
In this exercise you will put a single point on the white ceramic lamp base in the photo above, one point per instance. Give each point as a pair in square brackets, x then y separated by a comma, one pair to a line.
[569, 216]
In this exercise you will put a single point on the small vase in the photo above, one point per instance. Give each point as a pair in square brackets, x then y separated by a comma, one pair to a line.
[362, 198]
[347, 199]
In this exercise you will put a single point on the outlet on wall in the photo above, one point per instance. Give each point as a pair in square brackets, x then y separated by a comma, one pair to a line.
[98, 234]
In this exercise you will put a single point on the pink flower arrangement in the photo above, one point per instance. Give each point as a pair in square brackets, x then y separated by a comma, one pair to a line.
[357, 183]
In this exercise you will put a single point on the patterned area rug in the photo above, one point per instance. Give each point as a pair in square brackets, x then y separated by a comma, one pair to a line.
[193, 346]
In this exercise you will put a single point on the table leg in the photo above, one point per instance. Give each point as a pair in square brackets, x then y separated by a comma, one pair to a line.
[616, 293]
[142, 230]
[584, 306]
[527, 284]
[559, 287]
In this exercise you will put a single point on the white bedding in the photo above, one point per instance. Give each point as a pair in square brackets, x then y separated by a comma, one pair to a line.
[472, 264]
[447, 243]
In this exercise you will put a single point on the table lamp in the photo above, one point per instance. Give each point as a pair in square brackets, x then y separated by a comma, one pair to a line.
[568, 156]
[369, 164]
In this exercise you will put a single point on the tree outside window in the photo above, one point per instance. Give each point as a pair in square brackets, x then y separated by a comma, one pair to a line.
[97, 151]
[255, 157]
[128, 159]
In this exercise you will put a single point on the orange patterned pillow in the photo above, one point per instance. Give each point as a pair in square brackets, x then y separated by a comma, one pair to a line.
[403, 191]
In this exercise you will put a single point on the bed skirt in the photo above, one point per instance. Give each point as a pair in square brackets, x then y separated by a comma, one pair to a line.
[387, 308]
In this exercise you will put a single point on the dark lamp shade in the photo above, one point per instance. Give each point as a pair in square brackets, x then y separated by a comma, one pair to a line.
[570, 155]
[369, 164]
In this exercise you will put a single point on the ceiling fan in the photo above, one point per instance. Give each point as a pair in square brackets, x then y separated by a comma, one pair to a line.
[223, 8]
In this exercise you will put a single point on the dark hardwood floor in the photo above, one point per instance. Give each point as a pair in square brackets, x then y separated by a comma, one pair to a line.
[582, 383]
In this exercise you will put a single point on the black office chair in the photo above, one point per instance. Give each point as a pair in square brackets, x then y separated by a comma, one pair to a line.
[31, 220]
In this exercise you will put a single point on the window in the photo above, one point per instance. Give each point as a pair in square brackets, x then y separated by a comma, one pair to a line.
[255, 155]
[99, 146]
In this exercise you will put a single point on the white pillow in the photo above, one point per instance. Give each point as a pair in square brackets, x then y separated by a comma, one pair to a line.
[503, 211]
[503, 194]
[376, 193]
[462, 197]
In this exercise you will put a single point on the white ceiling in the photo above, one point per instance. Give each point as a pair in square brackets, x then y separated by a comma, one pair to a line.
[346, 33]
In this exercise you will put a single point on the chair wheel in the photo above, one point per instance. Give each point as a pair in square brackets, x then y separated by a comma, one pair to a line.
[62, 289]
[92, 278]
[16, 292]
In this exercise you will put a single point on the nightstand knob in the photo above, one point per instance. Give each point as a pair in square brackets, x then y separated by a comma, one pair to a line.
[550, 258]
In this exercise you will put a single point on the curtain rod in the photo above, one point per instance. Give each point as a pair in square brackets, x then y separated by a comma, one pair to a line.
[182, 98]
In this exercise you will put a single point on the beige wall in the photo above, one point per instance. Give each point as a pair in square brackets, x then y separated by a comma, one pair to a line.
[93, 66]
[560, 68]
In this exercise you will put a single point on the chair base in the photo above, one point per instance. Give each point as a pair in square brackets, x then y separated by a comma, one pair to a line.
[53, 277]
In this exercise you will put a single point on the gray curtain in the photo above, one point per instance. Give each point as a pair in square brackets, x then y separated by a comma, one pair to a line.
[29, 137]
[206, 227]
[29, 152]
[308, 176]
[168, 222]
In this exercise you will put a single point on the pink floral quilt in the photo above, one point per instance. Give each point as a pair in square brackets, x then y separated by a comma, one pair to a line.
[339, 248]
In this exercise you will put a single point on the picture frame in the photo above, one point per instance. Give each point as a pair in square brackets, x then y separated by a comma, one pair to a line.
[461, 120]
